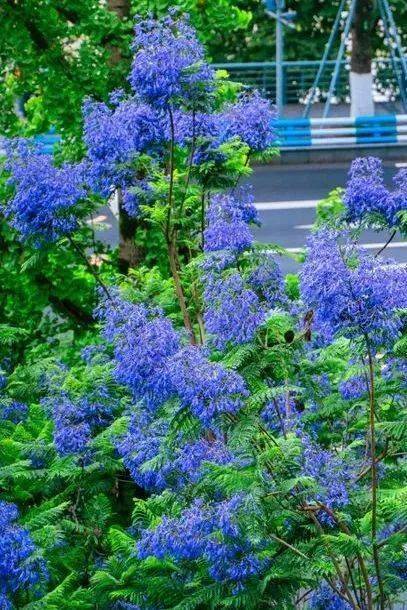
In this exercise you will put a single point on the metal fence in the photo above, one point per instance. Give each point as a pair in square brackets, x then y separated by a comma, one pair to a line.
[299, 77]
[382, 130]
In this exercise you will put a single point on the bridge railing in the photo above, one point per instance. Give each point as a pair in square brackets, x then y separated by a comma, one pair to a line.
[299, 77]
[336, 132]
[342, 132]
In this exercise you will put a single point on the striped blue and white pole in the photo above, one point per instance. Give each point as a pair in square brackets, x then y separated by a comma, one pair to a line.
[342, 131]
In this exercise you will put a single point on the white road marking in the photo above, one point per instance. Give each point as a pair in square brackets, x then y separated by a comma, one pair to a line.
[286, 205]
[303, 227]
[371, 246]
[400, 165]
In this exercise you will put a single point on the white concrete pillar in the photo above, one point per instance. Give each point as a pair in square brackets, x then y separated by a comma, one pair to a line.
[361, 92]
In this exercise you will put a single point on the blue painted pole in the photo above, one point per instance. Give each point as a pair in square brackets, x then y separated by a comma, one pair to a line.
[324, 59]
[335, 74]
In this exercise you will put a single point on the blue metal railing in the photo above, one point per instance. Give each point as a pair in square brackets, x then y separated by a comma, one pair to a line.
[299, 77]
[342, 132]
[318, 133]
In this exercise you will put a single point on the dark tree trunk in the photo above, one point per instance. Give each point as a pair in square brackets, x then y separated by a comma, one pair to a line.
[361, 60]
[129, 254]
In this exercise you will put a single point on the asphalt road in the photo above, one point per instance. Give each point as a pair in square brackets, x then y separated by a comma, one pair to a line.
[286, 197]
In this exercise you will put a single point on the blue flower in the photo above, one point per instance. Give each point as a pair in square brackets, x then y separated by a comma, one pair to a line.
[330, 473]
[352, 292]
[267, 280]
[20, 567]
[233, 312]
[366, 192]
[281, 414]
[143, 341]
[324, 598]
[168, 65]
[353, 388]
[206, 388]
[76, 421]
[12, 410]
[228, 217]
[209, 532]
[142, 443]
[253, 120]
[45, 203]
[192, 456]
[115, 137]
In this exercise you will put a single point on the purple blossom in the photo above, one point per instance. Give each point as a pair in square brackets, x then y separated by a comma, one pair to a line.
[233, 312]
[281, 414]
[198, 126]
[3, 380]
[143, 342]
[76, 421]
[366, 192]
[324, 598]
[329, 472]
[352, 292]
[142, 443]
[151, 463]
[228, 217]
[267, 280]
[206, 388]
[114, 137]
[353, 388]
[168, 65]
[12, 410]
[398, 197]
[208, 532]
[45, 202]
[193, 455]
[20, 567]
[252, 119]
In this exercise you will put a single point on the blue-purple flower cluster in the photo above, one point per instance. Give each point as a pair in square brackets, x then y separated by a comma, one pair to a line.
[75, 422]
[207, 388]
[20, 567]
[12, 410]
[352, 292]
[267, 280]
[114, 137]
[251, 119]
[143, 443]
[228, 218]
[210, 532]
[324, 598]
[45, 201]
[143, 341]
[353, 388]
[169, 63]
[154, 466]
[233, 311]
[281, 414]
[367, 194]
[151, 362]
[330, 473]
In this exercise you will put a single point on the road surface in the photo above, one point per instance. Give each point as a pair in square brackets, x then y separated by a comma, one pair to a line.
[286, 197]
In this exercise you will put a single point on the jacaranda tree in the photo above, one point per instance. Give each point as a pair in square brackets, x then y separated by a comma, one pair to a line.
[221, 436]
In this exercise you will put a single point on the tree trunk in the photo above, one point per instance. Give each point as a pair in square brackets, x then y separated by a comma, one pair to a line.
[361, 80]
[129, 254]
